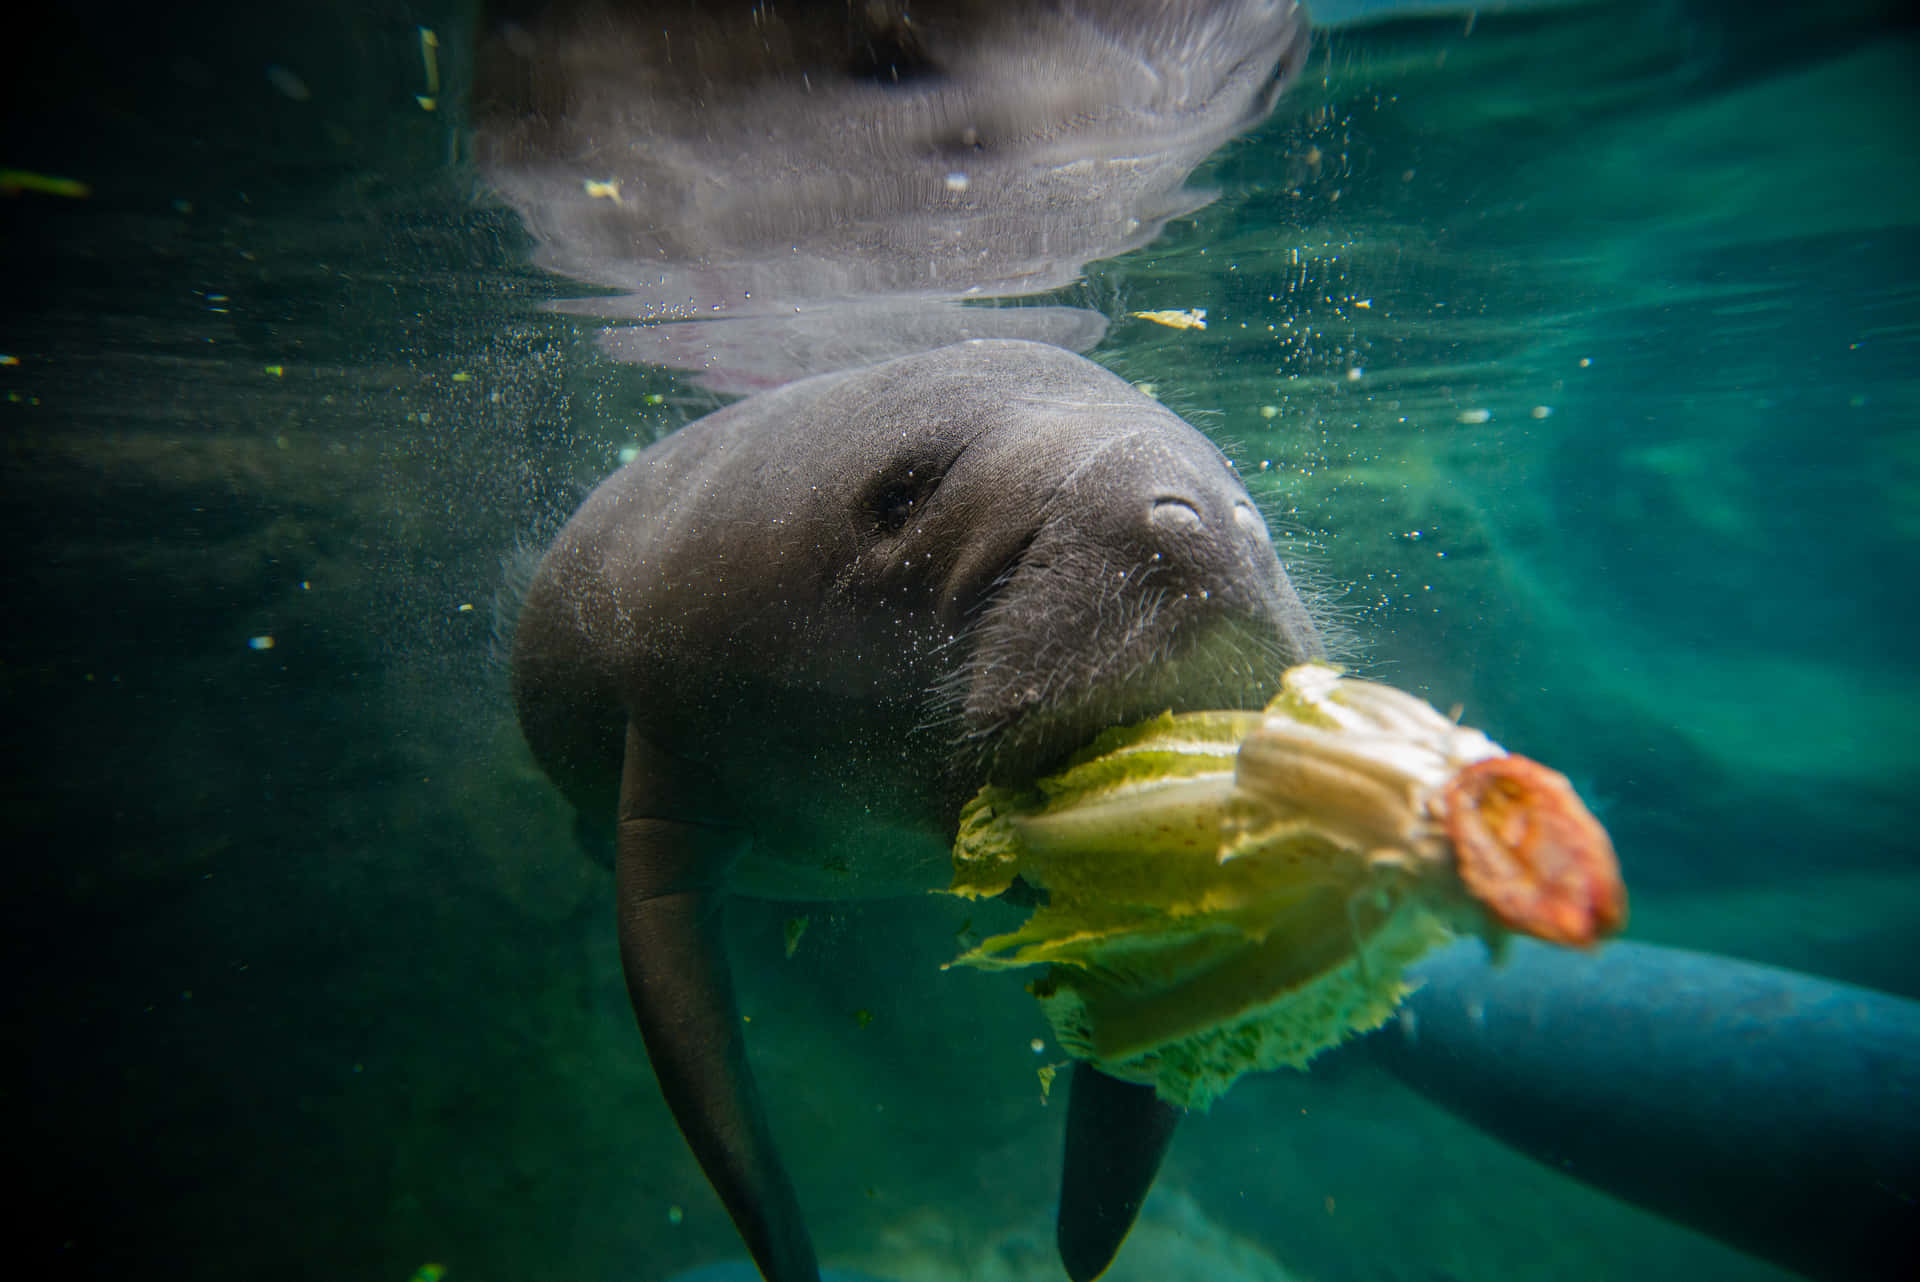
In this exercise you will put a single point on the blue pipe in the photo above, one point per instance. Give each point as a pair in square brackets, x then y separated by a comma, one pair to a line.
[1775, 1111]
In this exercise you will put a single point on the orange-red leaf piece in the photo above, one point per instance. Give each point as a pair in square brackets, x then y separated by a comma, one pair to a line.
[1532, 853]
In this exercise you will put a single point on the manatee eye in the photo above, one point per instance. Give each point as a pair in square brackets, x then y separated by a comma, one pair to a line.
[897, 495]
[894, 498]
[894, 508]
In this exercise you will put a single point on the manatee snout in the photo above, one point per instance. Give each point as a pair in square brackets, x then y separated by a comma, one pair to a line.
[1177, 509]
[1152, 583]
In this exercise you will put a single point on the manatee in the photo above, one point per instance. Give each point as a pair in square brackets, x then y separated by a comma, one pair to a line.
[781, 648]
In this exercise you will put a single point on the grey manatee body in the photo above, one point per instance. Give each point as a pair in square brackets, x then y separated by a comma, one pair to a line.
[782, 647]
[1776, 1111]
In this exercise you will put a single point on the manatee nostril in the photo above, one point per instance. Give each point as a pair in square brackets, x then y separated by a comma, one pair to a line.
[1247, 517]
[1176, 514]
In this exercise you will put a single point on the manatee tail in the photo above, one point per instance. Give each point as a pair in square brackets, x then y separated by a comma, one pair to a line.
[1777, 1112]
[1117, 1132]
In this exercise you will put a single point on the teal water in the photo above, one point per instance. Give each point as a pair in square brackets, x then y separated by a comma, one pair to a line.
[1591, 340]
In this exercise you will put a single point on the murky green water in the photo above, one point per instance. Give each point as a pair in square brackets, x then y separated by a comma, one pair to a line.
[1576, 353]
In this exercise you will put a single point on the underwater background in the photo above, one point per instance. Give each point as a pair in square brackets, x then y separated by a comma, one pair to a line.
[1575, 350]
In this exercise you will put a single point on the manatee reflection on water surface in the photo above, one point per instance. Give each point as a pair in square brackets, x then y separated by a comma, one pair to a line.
[821, 184]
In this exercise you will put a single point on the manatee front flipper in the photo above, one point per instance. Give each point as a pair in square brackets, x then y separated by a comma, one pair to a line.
[668, 877]
[1117, 1132]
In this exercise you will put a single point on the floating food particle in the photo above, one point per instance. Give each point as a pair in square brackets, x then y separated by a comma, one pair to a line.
[863, 1017]
[608, 189]
[262, 642]
[1585, 361]
[1191, 318]
[1542, 411]
[1036, 1046]
[1355, 374]
[15, 181]
[1474, 416]
[429, 1273]
[1046, 1074]
[276, 370]
[796, 927]
[430, 59]
[9, 360]
[1146, 389]
[1269, 411]
[466, 607]
[957, 181]
[429, 42]
[675, 1214]
[462, 376]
